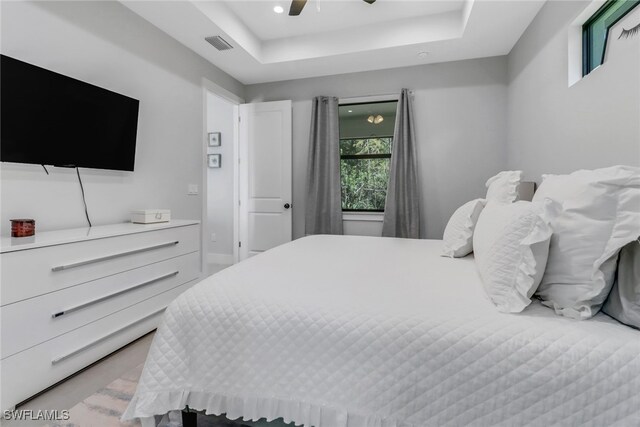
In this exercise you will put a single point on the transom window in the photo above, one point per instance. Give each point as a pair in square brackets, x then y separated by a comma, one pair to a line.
[595, 31]
[366, 138]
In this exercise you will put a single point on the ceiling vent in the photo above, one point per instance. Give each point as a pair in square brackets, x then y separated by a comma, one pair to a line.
[219, 43]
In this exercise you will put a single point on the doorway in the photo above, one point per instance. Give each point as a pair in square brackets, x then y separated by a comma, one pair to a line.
[266, 205]
[220, 178]
[247, 204]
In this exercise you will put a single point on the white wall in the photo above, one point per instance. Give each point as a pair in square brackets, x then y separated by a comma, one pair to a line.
[220, 117]
[554, 128]
[105, 44]
[460, 110]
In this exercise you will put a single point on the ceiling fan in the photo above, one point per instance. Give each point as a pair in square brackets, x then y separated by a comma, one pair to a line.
[298, 5]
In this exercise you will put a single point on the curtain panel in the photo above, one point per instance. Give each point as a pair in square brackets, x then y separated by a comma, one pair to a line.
[324, 202]
[402, 205]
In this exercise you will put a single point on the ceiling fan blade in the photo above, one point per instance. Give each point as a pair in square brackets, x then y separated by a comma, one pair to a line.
[296, 7]
[370, 1]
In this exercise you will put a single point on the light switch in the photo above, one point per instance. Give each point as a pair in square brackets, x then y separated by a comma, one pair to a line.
[213, 237]
[192, 189]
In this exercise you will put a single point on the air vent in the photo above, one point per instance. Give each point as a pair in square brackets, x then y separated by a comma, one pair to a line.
[219, 43]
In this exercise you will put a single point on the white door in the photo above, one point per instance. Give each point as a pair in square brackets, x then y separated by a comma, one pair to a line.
[265, 176]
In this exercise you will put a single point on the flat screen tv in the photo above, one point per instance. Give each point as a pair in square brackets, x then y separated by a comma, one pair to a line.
[50, 119]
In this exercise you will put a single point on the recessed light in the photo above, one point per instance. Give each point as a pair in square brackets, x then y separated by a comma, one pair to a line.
[423, 54]
[278, 9]
[350, 111]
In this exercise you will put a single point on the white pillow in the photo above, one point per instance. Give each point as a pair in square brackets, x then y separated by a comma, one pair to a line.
[458, 235]
[511, 245]
[601, 214]
[504, 186]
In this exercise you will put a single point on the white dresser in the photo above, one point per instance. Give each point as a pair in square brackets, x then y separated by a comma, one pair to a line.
[71, 297]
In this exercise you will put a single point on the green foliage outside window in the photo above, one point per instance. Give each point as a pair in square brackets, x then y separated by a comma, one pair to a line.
[364, 172]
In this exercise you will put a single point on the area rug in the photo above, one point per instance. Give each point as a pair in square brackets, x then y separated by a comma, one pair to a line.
[105, 407]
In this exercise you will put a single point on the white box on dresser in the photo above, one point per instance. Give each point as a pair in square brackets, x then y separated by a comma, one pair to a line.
[71, 297]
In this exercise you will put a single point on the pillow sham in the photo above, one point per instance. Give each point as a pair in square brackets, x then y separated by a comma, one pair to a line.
[458, 234]
[511, 244]
[601, 214]
[504, 186]
[623, 303]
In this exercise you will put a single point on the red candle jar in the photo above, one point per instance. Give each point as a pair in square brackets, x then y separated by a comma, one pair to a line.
[23, 227]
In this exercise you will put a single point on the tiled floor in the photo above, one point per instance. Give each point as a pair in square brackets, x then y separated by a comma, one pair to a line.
[84, 384]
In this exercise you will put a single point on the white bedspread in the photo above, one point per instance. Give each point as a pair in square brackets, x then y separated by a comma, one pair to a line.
[371, 332]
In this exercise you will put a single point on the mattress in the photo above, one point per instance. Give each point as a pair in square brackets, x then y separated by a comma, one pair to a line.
[347, 331]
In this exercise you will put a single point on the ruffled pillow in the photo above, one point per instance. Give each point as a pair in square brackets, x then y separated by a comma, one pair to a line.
[601, 214]
[503, 187]
[511, 244]
[458, 235]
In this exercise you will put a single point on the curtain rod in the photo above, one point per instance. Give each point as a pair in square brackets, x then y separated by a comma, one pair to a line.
[377, 95]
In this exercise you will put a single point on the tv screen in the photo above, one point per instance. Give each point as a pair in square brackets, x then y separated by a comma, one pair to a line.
[51, 119]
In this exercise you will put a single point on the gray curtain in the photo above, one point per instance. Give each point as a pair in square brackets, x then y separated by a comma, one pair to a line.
[324, 202]
[402, 206]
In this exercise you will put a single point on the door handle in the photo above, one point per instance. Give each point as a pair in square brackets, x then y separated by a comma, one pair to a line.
[287, 205]
[115, 294]
[106, 337]
[112, 256]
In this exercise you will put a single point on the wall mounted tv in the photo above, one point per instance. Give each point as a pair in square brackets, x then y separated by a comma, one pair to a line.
[51, 119]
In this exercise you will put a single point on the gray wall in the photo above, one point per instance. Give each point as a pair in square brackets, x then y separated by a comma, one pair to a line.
[106, 44]
[460, 110]
[220, 118]
[474, 118]
[554, 128]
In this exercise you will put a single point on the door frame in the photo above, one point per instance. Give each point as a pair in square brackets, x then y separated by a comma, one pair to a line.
[210, 87]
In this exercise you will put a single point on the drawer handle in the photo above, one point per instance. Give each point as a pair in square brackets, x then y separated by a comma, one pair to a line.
[106, 337]
[118, 255]
[95, 301]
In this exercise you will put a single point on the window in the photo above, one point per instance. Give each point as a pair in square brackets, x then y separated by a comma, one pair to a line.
[596, 31]
[366, 137]
[364, 173]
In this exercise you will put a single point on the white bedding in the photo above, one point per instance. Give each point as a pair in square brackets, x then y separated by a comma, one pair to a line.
[370, 332]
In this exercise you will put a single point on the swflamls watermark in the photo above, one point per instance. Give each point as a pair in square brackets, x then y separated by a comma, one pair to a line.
[36, 415]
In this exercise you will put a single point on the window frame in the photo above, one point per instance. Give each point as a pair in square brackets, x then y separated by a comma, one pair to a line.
[587, 30]
[373, 99]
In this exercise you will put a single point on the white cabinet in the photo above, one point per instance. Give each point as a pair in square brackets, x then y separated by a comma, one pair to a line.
[71, 297]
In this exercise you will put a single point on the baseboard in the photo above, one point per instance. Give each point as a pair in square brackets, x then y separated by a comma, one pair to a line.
[213, 258]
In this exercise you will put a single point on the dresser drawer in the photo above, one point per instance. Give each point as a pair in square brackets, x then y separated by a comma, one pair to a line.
[39, 367]
[59, 312]
[33, 272]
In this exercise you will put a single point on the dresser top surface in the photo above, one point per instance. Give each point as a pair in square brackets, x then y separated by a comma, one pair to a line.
[60, 237]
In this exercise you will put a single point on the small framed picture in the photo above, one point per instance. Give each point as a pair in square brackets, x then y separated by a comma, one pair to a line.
[215, 139]
[215, 160]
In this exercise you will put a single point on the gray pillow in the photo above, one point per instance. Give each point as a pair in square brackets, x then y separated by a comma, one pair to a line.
[623, 303]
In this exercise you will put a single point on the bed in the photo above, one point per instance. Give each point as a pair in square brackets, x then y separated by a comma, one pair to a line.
[348, 331]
